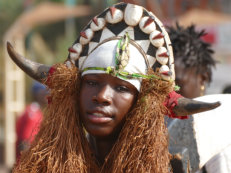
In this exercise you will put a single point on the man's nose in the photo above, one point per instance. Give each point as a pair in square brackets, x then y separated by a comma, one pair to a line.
[104, 95]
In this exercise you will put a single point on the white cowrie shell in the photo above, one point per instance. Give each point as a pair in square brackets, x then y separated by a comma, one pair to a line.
[147, 25]
[77, 49]
[162, 55]
[133, 14]
[157, 38]
[165, 72]
[86, 36]
[97, 24]
[114, 15]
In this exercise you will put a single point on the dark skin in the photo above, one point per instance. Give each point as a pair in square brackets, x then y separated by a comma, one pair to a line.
[190, 81]
[105, 102]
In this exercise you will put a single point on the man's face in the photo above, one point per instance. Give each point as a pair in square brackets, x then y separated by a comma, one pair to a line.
[104, 102]
[189, 81]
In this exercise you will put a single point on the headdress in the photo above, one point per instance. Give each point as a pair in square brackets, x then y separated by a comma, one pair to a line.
[129, 27]
[125, 41]
[128, 42]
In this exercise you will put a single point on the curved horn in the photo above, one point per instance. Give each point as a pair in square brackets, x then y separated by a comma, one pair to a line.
[187, 106]
[35, 70]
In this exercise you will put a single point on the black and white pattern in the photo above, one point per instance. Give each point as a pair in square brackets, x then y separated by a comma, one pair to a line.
[142, 26]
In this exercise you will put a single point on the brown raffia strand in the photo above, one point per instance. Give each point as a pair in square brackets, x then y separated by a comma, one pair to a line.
[142, 146]
[60, 146]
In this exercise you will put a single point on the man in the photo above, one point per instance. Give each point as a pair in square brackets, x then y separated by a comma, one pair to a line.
[108, 100]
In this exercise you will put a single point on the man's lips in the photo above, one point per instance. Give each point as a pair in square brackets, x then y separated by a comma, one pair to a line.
[99, 117]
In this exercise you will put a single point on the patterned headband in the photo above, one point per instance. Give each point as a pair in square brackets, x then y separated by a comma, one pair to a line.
[142, 26]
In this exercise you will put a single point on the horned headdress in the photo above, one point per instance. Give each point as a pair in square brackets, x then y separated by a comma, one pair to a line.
[133, 41]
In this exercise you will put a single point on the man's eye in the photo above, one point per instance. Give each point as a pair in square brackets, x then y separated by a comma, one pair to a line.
[122, 89]
[91, 83]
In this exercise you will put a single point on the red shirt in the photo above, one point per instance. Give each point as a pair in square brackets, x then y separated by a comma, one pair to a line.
[27, 125]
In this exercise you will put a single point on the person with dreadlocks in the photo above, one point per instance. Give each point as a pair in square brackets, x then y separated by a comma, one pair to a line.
[108, 99]
[193, 60]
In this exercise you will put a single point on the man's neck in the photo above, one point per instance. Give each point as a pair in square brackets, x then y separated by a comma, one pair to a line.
[102, 147]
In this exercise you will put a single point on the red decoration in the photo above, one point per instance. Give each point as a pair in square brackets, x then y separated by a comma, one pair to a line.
[164, 55]
[95, 20]
[166, 73]
[171, 102]
[83, 34]
[160, 35]
[49, 99]
[112, 10]
[71, 49]
[51, 71]
[210, 37]
[148, 22]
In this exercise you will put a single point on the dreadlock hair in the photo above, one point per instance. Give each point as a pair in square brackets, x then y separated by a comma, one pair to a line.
[191, 50]
[61, 145]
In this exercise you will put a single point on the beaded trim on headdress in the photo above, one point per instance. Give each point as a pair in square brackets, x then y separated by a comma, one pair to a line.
[142, 26]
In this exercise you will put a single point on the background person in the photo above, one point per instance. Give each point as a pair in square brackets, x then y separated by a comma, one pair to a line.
[193, 60]
[226, 89]
[28, 122]
[193, 63]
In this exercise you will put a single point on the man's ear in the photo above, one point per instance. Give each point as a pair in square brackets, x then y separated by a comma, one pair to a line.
[204, 78]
